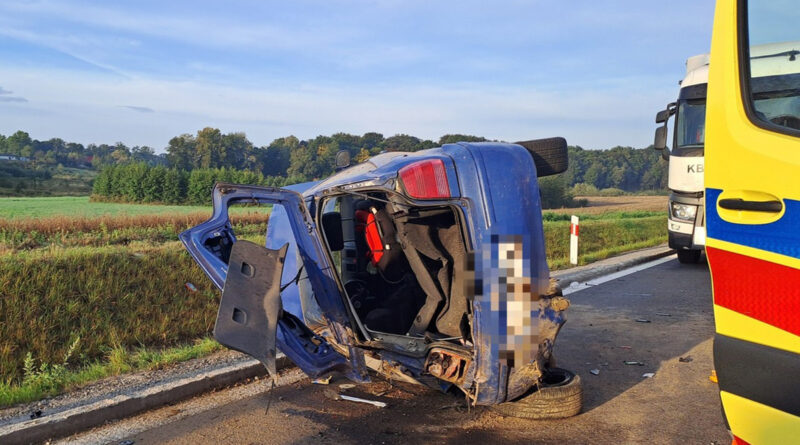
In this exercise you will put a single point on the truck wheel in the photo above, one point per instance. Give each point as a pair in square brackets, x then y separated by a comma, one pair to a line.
[560, 395]
[689, 256]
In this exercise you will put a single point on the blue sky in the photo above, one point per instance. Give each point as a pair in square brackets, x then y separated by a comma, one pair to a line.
[141, 72]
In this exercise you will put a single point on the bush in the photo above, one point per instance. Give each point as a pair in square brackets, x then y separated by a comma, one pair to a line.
[555, 193]
[584, 189]
[611, 192]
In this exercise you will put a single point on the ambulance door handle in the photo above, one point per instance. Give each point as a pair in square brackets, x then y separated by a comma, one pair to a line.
[752, 206]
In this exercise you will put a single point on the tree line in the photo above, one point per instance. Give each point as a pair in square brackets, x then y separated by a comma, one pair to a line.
[294, 160]
[139, 182]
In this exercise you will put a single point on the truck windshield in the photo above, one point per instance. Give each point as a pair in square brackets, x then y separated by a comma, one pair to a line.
[691, 123]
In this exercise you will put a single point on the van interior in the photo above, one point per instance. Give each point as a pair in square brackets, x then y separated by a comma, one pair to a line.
[402, 266]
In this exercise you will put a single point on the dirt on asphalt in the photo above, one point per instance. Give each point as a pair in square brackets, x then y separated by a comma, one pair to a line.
[677, 405]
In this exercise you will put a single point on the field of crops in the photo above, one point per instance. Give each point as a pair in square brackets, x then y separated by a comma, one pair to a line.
[89, 281]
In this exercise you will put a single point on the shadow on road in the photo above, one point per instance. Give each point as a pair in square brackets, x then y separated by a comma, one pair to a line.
[677, 405]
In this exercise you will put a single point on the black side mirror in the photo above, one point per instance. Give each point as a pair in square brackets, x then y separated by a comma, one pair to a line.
[660, 141]
[342, 159]
[664, 114]
[332, 226]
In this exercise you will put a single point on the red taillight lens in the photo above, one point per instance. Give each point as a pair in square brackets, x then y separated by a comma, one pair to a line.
[426, 179]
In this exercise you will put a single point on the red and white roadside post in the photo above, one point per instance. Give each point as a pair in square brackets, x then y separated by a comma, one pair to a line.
[574, 229]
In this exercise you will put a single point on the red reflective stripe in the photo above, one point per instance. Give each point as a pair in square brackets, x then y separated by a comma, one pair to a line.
[574, 229]
[766, 291]
[738, 441]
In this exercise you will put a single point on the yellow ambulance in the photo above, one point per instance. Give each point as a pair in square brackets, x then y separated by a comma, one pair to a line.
[752, 180]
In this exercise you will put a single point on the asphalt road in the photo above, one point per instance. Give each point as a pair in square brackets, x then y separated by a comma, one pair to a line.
[678, 405]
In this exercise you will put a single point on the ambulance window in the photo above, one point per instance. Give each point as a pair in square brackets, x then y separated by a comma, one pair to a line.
[771, 64]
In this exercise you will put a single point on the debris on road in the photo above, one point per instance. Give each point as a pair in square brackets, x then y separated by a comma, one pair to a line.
[625, 347]
[360, 400]
[347, 386]
[713, 376]
[642, 320]
[594, 371]
[686, 359]
[648, 375]
[662, 314]
[36, 414]
[323, 381]
[633, 363]
[333, 395]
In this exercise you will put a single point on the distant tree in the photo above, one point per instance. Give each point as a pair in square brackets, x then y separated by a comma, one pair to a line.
[181, 153]
[401, 142]
[301, 161]
[554, 192]
[201, 184]
[174, 191]
[153, 184]
[371, 140]
[453, 138]
[363, 155]
[276, 158]
[17, 141]
[102, 183]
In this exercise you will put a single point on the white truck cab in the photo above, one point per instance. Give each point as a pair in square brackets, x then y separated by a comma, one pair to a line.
[686, 215]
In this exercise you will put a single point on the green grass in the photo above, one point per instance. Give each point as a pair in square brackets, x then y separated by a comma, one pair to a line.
[153, 230]
[602, 238]
[79, 206]
[45, 380]
[552, 216]
[107, 296]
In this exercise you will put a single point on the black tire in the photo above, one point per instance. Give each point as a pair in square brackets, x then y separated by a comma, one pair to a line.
[559, 396]
[550, 155]
[689, 256]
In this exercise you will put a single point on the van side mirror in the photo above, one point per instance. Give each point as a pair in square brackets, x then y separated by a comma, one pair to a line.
[342, 159]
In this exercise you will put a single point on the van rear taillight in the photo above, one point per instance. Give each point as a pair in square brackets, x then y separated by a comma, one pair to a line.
[425, 179]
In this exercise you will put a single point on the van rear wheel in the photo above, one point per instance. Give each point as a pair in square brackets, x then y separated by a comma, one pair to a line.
[560, 395]
[689, 256]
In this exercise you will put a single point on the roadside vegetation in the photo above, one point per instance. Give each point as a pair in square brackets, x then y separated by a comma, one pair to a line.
[106, 288]
[602, 235]
[24, 179]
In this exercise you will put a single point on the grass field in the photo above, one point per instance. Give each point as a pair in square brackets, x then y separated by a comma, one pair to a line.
[92, 289]
[79, 206]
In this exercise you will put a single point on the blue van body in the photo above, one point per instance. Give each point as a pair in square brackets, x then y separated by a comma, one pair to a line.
[493, 189]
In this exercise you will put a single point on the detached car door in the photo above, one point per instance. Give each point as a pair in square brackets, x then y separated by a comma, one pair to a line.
[753, 216]
[251, 318]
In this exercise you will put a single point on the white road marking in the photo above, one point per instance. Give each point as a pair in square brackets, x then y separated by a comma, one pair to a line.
[613, 276]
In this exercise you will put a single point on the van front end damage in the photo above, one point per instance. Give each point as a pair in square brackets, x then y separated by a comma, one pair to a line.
[515, 324]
